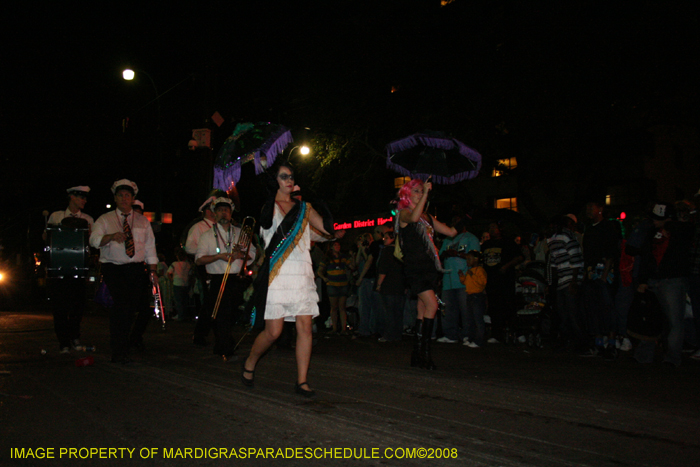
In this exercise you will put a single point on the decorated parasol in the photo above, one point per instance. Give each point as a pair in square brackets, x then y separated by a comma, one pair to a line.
[433, 154]
[257, 142]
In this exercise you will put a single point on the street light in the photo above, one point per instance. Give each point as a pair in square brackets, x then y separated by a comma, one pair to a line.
[128, 75]
[304, 150]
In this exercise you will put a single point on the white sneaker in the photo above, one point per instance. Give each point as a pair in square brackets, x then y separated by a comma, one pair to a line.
[696, 355]
[472, 345]
[493, 340]
[447, 340]
[626, 345]
[65, 350]
[465, 341]
[75, 343]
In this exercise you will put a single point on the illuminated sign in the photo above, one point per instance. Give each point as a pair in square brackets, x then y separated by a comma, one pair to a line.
[362, 223]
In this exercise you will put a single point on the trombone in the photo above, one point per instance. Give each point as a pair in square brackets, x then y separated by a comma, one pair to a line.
[243, 245]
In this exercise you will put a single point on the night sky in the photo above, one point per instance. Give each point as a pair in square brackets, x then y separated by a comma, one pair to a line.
[574, 70]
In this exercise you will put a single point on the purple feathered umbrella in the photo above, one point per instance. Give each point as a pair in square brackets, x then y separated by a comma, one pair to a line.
[433, 154]
[257, 142]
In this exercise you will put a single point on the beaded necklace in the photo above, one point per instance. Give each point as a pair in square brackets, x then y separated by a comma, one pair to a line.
[227, 245]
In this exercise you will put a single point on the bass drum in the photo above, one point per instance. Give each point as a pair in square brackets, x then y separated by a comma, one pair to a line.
[68, 252]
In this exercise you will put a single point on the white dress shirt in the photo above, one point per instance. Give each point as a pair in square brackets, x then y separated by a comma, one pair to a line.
[193, 235]
[209, 242]
[114, 252]
[58, 216]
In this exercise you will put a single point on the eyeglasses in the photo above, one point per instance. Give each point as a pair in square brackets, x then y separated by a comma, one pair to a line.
[285, 177]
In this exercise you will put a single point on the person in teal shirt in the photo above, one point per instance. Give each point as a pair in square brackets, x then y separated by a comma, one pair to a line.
[452, 252]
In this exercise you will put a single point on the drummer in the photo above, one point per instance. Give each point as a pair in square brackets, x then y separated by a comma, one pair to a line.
[77, 197]
[68, 294]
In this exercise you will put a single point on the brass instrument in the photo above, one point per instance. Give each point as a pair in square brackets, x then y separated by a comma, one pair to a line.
[157, 301]
[244, 240]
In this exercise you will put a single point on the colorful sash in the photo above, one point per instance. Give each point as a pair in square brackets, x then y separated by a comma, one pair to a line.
[281, 245]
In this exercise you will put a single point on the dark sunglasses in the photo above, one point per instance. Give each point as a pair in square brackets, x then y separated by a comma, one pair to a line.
[285, 177]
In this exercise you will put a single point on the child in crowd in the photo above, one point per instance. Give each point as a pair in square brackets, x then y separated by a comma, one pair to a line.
[475, 283]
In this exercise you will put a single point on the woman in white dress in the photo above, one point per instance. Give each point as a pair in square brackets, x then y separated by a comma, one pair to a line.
[289, 291]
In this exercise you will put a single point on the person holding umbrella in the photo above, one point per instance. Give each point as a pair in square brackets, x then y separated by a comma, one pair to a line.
[421, 261]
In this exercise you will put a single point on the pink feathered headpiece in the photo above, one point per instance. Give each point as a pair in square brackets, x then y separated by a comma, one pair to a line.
[405, 193]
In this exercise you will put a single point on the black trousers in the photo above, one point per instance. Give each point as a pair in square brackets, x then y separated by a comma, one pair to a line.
[228, 310]
[128, 318]
[67, 298]
[201, 329]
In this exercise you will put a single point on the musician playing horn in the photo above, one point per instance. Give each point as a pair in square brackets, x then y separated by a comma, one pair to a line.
[68, 293]
[214, 249]
[201, 330]
[128, 258]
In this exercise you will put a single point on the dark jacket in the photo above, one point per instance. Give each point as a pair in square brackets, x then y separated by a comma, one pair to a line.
[675, 260]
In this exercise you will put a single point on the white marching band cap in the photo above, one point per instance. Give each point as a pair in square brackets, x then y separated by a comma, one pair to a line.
[80, 189]
[219, 201]
[138, 203]
[207, 203]
[127, 183]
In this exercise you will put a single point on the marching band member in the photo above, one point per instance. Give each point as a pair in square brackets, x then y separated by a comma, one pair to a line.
[214, 249]
[77, 197]
[208, 220]
[128, 256]
[68, 294]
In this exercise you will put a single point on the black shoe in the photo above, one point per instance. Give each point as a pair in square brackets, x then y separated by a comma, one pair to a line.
[304, 392]
[247, 382]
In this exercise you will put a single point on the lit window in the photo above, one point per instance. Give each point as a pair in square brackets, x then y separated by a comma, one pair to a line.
[608, 200]
[401, 181]
[509, 164]
[507, 203]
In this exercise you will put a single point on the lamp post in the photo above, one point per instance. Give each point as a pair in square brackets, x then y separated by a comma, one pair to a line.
[129, 75]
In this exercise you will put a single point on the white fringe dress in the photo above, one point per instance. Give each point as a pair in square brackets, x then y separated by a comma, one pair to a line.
[293, 291]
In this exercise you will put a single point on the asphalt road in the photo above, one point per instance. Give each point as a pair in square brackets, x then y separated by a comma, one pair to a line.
[497, 406]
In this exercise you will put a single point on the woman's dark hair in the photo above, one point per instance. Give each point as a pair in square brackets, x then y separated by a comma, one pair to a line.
[272, 184]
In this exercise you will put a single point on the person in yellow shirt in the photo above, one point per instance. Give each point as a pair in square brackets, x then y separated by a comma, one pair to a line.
[475, 282]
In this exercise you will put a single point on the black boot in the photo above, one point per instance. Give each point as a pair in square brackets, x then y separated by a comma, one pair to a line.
[426, 358]
[415, 355]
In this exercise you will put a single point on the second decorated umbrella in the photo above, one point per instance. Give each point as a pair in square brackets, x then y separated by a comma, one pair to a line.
[257, 142]
[433, 154]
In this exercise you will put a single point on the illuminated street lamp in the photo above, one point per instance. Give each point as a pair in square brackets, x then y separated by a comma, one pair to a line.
[128, 75]
[304, 150]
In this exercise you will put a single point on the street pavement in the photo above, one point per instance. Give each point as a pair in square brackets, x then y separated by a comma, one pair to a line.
[178, 404]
